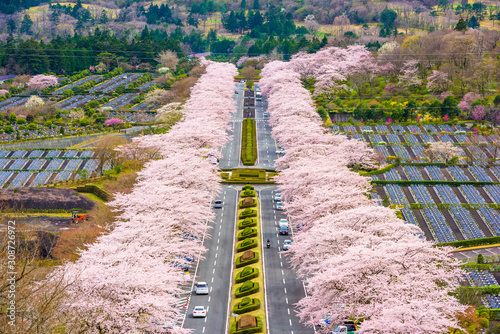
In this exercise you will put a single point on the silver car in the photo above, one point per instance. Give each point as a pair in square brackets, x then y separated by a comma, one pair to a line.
[201, 288]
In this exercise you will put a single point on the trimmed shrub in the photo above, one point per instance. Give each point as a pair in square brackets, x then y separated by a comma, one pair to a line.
[248, 187]
[246, 305]
[247, 222]
[432, 183]
[240, 264]
[247, 202]
[246, 244]
[247, 232]
[471, 242]
[257, 329]
[248, 213]
[249, 142]
[246, 289]
[246, 274]
[224, 176]
[248, 193]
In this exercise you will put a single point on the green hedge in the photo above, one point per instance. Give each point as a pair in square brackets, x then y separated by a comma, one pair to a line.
[257, 329]
[251, 205]
[471, 242]
[246, 289]
[246, 244]
[249, 142]
[379, 171]
[248, 187]
[240, 264]
[246, 305]
[432, 183]
[486, 290]
[247, 274]
[482, 266]
[248, 193]
[224, 175]
[248, 213]
[247, 232]
[247, 222]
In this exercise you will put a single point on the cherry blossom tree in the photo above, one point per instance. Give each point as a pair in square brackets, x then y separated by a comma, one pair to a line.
[360, 258]
[128, 280]
[438, 81]
[34, 102]
[41, 81]
[3, 91]
[409, 74]
[478, 112]
[113, 122]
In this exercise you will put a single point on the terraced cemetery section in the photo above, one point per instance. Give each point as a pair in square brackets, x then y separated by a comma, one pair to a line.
[31, 168]
[247, 298]
[448, 202]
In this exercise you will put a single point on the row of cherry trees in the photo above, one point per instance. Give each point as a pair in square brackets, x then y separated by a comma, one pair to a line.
[359, 259]
[128, 280]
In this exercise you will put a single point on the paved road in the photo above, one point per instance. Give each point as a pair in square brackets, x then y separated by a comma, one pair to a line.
[230, 153]
[283, 288]
[473, 253]
[266, 145]
[216, 269]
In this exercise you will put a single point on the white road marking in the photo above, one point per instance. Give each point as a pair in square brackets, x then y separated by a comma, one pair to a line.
[222, 214]
[212, 278]
[206, 319]
[215, 263]
[213, 271]
[203, 331]
[289, 320]
[288, 310]
[217, 248]
[215, 255]
[218, 240]
[285, 290]
[287, 303]
[210, 289]
[210, 296]
[282, 272]
[283, 281]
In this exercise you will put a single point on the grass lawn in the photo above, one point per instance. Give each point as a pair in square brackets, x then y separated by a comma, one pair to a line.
[260, 279]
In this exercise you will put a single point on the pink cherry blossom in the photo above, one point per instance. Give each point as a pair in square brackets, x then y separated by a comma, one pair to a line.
[113, 122]
[41, 81]
[446, 118]
[478, 112]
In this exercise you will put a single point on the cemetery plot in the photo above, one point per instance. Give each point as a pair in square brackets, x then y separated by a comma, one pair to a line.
[41, 167]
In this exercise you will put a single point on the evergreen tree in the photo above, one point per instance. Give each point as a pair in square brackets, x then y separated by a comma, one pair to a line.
[26, 24]
[104, 18]
[11, 26]
[54, 17]
[256, 4]
[473, 23]
[243, 4]
[461, 25]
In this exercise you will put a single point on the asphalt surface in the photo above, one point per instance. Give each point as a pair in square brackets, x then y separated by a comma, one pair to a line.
[283, 288]
[215, 269]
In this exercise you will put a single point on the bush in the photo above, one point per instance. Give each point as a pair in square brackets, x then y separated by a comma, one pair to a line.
[246, 245]
[248, 232]
[257, 329]
[246, 289]
[248, 187]
[224, 176]
[247, 205]
[247, 274]
[248, 213]
[248, 193]
[246, 305]
[247, 222]
[248, 142]
[240, 264]
[471, 242]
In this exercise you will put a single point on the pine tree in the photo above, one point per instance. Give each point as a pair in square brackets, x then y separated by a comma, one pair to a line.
[243, 4]
[461, 25]
[26, 24]
[256, 4]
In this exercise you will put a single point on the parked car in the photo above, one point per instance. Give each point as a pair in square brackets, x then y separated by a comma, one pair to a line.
[266, 114]
[277, 197]
[235, 92]
[201, 288]
[199, 312]
[286, 244]
[283, 222]
[280, 151]
[283, 230]
[279, 206]
[344, 329]
[218, 204]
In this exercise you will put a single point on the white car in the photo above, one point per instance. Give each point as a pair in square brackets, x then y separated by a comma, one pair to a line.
[199, 312]
[277, 197]
[279, 206]
[280, 151]
[201, 288]
[283, 222]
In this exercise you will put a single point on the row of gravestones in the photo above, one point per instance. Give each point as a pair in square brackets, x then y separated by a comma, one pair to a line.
[247, 278]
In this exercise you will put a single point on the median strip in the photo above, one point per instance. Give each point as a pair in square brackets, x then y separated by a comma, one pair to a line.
[248, 315]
